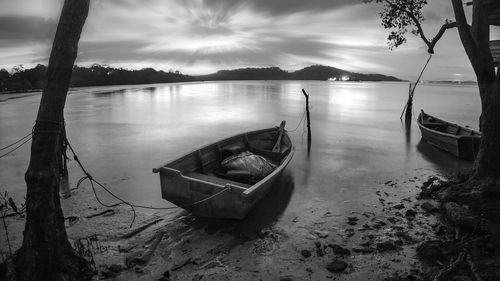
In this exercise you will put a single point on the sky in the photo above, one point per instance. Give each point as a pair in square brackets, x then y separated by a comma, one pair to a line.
[203, 36]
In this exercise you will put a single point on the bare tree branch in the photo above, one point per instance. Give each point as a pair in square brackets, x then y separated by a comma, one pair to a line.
[440, 33]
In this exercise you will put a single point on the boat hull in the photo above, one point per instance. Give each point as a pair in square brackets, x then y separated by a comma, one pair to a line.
[228, 201]
[186, 182]
[462, 146]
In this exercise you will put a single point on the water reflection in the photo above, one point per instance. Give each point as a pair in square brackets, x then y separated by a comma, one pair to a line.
[263, 215]
[407, 127]
[307, 168]
[123, 131]
[107, 93]
[149, 89]
[444, 161]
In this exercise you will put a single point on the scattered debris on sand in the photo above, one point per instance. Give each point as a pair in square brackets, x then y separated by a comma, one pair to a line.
[397, 237]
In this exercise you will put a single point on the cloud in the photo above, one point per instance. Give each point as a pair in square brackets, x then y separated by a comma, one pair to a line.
[25, 40]
[201, 36]
[109, 52]
[20, 29]
[268, 51]
[279, 7]
[30, 8]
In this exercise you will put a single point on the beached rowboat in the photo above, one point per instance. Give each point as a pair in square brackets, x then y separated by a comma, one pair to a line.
[197, 183]
[460, 141]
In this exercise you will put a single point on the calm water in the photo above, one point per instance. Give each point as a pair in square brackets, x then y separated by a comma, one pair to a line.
[121, 133]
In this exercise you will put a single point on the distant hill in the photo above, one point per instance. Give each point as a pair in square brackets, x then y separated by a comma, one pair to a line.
[269, 73]
[314, 72]
[452, 82]
[22, 80]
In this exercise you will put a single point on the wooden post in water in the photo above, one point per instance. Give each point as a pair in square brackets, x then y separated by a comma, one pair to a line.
[308, 122]
[409, 105]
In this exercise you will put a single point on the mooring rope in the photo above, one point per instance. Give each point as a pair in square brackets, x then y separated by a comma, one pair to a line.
[16, 142]
[300, 122]
[91, 179]
[29, 136]
[17, 147]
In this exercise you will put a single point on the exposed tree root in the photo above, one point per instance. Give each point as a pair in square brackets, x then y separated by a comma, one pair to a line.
[469, 206]
[472, 268]
[9, 273]
[446, 273]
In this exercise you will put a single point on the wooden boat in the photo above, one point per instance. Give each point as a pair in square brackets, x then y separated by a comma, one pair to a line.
[194, 181]
[460, 141]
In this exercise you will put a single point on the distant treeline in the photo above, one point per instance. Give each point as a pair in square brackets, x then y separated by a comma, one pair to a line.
[96, 75]
[20, 79]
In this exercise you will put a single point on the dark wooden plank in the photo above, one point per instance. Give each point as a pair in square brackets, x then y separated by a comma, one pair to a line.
[493, 8]
[495, 50]
[453, 130]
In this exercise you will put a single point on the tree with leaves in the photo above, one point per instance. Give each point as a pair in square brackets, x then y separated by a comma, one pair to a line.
[4, 78]
[402, 16]
[46, 253]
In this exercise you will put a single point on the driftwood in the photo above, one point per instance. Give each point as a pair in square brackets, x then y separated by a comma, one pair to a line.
[140, 229]
[188, 261]
[146, 256]
[150, 251]
[106, 212]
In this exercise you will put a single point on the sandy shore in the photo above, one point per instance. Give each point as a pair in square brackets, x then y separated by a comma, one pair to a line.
[314, 243]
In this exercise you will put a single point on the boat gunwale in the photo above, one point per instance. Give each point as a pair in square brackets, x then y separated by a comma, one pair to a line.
[177, 173]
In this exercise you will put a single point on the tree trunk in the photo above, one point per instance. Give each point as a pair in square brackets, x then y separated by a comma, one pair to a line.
[487, 165]
[475, 39]
[46, 253]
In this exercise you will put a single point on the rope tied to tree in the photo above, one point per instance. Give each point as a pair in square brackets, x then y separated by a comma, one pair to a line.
[65, 144]
[89, 177]
[39, 123]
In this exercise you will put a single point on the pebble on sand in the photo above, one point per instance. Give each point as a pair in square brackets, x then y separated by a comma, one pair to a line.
[336, 266]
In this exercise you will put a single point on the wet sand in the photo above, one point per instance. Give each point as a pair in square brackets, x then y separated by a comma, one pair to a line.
[380, 237]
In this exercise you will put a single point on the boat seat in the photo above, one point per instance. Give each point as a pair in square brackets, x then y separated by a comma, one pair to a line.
[452, 130]
[214, 179]
[433, 124]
